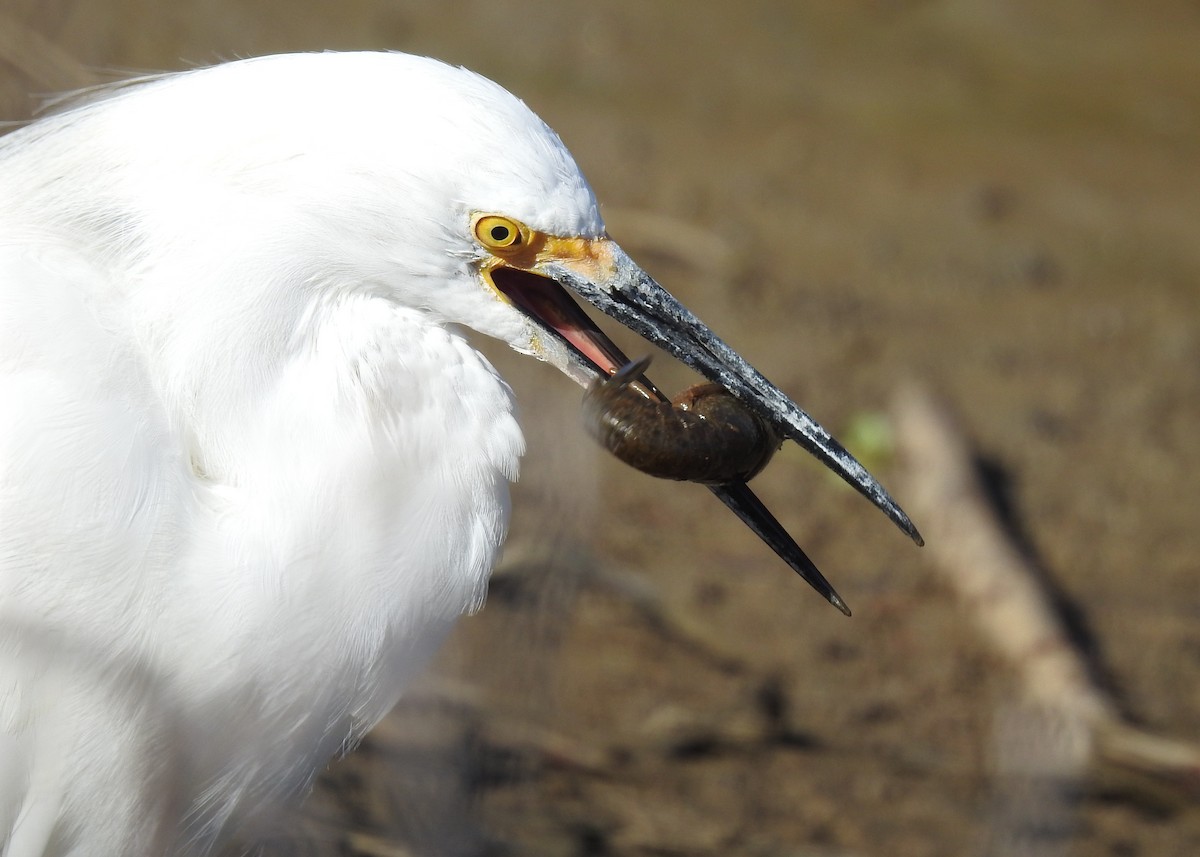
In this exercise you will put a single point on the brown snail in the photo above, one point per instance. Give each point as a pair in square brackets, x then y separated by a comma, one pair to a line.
[703, 435]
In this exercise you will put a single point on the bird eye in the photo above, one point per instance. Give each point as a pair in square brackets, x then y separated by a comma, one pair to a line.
[499, 233]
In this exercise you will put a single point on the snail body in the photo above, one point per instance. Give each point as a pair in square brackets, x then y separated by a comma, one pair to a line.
[704, 434]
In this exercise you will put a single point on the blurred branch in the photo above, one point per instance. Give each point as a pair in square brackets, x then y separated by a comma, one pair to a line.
[1013, 612]
[671, 621]
[39, 59]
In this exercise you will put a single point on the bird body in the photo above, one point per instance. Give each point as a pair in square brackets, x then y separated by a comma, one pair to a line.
[251, 470]
[231, 489]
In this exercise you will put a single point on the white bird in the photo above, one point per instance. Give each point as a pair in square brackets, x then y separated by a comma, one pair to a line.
[251, 471]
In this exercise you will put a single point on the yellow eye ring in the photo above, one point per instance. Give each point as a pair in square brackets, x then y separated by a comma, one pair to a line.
[499, 234]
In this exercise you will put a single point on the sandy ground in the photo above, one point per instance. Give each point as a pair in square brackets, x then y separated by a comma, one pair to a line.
[1001, 200]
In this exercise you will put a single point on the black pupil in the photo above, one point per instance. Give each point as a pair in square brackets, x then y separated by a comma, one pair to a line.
[500, 233]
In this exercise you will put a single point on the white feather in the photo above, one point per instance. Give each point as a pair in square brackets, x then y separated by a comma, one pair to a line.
[249, 477]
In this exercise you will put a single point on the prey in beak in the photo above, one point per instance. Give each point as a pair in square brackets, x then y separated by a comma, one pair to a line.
[535, 272]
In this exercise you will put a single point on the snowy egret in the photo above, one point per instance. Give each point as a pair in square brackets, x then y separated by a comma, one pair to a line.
[251, 471]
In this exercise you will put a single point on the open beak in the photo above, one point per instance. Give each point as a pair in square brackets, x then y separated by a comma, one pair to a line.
[598, 271]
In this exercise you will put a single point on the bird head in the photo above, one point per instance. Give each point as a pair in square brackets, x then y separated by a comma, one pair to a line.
[539, 244]
[499, 230]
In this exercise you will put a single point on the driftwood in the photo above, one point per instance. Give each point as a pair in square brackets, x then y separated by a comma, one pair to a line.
[1082, 731]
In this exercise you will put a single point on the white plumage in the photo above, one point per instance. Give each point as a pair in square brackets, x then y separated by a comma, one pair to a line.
[250, 470]
[248, 477]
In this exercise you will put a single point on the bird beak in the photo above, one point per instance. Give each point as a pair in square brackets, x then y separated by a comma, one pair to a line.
[600, 272]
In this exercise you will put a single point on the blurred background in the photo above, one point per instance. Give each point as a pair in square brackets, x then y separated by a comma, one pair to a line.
[997, 200]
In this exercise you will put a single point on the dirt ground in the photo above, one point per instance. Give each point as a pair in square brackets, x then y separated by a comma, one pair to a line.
[1001, 200]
